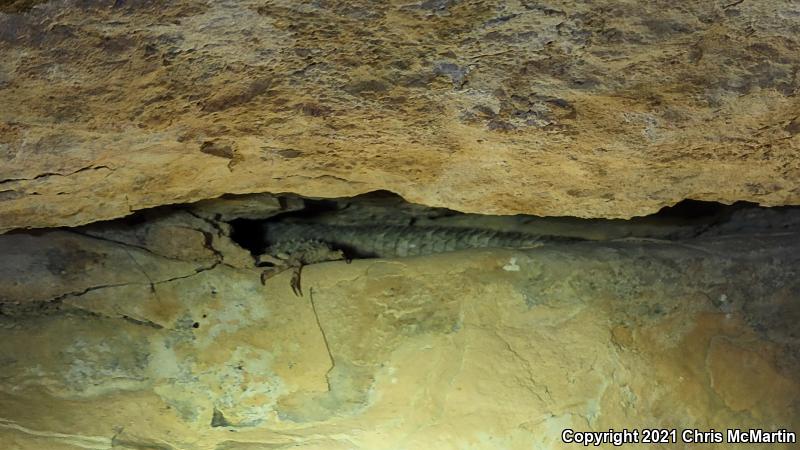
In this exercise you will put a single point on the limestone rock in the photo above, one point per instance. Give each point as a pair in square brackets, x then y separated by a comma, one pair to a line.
[250, 206]
[601, 109]
[476, 349]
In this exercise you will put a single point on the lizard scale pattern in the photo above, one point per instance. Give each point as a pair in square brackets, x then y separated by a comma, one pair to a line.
[401, 241]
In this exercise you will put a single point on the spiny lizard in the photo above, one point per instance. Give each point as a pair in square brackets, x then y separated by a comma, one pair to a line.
[294, 244]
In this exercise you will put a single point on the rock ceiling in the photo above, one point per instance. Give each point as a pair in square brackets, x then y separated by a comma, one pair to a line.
[601, 109]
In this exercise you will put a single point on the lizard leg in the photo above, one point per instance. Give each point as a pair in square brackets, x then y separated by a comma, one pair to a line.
[268, 260]
[294, 255]
[273, 265]
[296, 287]
[271, 272]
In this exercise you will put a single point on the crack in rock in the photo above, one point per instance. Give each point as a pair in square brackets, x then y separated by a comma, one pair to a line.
[56, 174]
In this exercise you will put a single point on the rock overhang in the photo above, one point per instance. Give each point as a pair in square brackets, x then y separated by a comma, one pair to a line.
[554, 109]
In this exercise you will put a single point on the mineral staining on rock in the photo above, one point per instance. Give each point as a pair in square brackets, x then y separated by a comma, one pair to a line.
[602, 109]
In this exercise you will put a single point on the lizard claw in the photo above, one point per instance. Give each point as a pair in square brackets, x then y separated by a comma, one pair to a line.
[267, 274]
[296, 288]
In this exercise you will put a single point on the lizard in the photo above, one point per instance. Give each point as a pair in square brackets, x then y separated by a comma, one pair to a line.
[293, 245]
[294, 254]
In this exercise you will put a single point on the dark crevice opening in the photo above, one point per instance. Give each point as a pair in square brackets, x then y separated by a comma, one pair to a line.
[698, 209]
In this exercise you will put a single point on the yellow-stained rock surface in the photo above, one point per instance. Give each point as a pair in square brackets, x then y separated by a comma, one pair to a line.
[116, 340]
[589, 109]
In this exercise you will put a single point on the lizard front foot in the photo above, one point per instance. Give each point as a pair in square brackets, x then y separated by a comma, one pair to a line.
[276, 265]
[294, 255]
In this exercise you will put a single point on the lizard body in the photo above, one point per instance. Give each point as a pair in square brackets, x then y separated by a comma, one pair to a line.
[294, 244]
[400, 241]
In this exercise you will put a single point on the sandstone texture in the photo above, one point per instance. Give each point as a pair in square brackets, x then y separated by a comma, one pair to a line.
[589, 109]
[159, 335]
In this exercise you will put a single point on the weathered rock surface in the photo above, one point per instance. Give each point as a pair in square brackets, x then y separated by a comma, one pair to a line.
[119, 338]
[589, 109]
